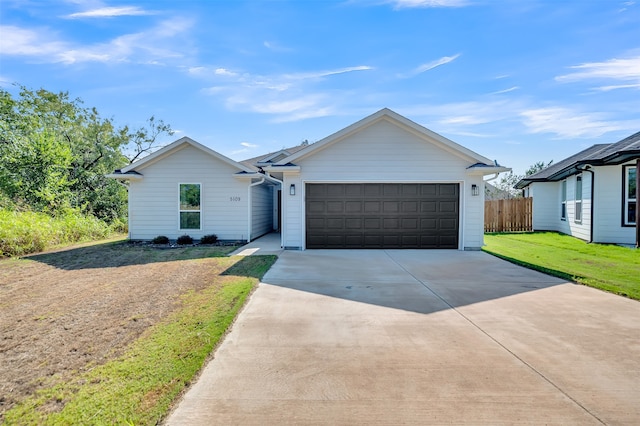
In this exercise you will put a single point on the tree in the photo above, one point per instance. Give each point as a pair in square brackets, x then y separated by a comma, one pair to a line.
[68, 149]
[505, 187]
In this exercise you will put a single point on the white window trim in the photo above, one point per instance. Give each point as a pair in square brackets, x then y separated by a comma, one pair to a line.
[190, 211]
[626, 198]
[577, 214]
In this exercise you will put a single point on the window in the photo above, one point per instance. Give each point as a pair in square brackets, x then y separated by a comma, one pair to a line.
[578, 212]
[563, 209]
[630, 202]
[190, 206]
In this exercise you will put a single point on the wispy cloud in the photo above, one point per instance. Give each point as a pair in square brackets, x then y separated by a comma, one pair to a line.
[569, 123]
[275, 47]
[110, 12]
[411, 4]
[430, 65]
[248, 145]
[151, 46]
[287, 97]
[510, 89]
[625, 70]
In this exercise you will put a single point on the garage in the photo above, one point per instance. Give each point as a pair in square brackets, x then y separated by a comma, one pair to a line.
[382, 215]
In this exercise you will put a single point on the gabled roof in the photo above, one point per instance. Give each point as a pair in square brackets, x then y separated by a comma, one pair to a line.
[177, 145]
[596, 155]
[272, 157]
[399, 120]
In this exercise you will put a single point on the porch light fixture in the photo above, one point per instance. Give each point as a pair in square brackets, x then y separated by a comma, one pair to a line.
[292, 189]
[475, 191]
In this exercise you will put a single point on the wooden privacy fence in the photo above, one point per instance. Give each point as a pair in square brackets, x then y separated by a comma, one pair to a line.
[513, 215]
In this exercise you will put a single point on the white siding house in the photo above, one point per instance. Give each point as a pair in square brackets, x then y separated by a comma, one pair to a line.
[384, 152]
[231, 200]
[383, 182]
[591, 195]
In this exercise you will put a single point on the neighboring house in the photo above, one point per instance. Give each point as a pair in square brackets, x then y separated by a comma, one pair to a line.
[383, 182]
[492, 192]
[591, 195]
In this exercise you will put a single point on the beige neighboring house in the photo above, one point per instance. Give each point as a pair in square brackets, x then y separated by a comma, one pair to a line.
[382, 182]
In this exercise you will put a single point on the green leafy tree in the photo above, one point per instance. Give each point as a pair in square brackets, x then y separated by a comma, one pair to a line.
[504, 188]
[83, 145]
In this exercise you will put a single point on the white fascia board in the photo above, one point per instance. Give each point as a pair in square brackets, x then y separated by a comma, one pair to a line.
[179, 144]
[488, 170]
[392, 116]
[125, 176]
[283, 169]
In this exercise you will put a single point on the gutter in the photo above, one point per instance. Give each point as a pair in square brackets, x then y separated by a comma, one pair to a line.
[249, 217]
[587, 168]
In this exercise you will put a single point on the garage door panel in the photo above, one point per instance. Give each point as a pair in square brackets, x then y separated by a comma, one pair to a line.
[314, 207]
[353, 223]
[448, 206]
[372, 207]
[448, 224]
[450, 190]
[333, 207]
[382, 215]
[390, 207]
[372, 223]
[372, 190]
[353, 206]
[409, 207]
[391, 223]
[335, 223]
[428, 206]
[429, 190]
[316, 223]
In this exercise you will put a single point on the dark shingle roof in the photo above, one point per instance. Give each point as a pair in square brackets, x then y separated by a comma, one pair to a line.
[597, 155]
[252, 162]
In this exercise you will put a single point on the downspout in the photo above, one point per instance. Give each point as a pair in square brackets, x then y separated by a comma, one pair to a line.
[587, 168]
[249, 216]
[495, 176]
[279, 207]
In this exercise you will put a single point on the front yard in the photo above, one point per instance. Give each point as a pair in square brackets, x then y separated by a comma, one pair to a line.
[607, 267]
[111, 333]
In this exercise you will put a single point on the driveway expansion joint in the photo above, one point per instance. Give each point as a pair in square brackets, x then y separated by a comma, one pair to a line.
[496, 341]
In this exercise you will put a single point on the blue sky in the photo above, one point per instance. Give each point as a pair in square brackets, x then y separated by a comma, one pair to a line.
[518, 81]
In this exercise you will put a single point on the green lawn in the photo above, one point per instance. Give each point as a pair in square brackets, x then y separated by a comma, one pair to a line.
[607, 267]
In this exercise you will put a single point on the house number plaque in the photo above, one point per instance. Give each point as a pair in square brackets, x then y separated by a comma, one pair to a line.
[234, 198]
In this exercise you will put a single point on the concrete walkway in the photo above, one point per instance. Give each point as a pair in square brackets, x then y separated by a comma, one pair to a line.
[420, 337]
[267, 244]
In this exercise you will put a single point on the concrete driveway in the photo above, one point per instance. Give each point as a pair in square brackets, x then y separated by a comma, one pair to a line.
[421, 337]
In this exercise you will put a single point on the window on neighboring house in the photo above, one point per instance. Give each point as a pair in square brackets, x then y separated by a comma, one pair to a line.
[630, 201]
[563, 208]
[190, 206]
[578, 212]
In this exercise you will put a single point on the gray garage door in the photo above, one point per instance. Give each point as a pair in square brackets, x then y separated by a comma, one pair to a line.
[382, 215]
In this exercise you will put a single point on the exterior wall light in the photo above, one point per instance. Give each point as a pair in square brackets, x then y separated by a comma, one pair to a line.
[292, 189]
[475, 190]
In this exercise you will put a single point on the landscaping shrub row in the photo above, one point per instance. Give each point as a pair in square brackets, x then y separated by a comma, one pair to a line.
[185, 239]
[24, 232]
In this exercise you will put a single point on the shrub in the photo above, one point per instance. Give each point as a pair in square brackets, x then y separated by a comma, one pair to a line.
[209, 239]
[160, 239]
[184, 240]
[24, 232]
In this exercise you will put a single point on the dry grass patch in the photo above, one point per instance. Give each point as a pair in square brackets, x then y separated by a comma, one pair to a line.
[75, 324]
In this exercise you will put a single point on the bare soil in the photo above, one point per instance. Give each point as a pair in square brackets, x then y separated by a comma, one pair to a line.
[70, 310]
